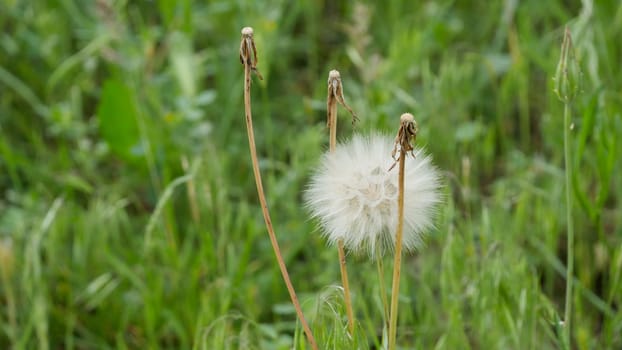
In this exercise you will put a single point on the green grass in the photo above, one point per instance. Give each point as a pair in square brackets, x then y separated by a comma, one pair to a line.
[108, 242]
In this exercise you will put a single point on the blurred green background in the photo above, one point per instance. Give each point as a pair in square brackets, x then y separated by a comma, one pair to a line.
[128, 212]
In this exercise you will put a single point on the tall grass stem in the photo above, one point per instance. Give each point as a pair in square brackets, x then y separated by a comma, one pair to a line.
[570, 229]
[567, 80]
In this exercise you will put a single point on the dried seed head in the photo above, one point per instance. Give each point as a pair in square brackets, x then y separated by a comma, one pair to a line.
[248, 51]
[333, 75]
[406, 137]
[247, 31]
[407, 118]
[335, 94]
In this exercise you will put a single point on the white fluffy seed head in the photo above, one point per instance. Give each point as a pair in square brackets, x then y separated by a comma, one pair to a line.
[354, 196]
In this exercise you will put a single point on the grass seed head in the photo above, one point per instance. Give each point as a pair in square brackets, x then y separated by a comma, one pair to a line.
[568, 75]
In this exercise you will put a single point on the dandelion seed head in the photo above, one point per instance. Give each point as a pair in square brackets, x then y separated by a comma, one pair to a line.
[353, 194]
[247, 31]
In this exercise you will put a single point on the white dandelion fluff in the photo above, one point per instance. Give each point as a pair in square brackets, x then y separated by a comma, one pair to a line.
[354, 195]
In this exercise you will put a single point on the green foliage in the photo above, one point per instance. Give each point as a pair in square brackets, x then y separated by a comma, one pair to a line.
[117, 118]
[128, 212]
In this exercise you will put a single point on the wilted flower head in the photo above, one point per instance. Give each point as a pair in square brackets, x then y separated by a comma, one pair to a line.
[354, 195]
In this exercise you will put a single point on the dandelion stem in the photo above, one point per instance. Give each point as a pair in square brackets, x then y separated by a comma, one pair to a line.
[346, 287]
[248, 58]
[570, 227]
[406, 134]
[397, 263]
[383, 290]
[335, 93]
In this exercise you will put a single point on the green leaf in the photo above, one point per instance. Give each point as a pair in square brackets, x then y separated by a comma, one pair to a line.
[118, 119]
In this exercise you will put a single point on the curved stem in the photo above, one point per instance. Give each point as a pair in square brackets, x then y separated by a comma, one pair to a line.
[264, 206]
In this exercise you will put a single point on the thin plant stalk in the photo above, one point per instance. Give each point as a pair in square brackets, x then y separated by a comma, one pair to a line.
[335, 94]
[191, 191]
[569, 223]
[567, 85]
[397, 262]
[346, 286]
[248, 57]
[406, 132]
[7, 263]
[383, 289]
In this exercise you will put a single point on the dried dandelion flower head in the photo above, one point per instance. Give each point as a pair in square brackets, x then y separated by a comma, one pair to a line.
[247, 31]
[354, 195]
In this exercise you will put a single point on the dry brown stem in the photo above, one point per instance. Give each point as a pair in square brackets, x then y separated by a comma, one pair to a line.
[248, 57]
[403, 145]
